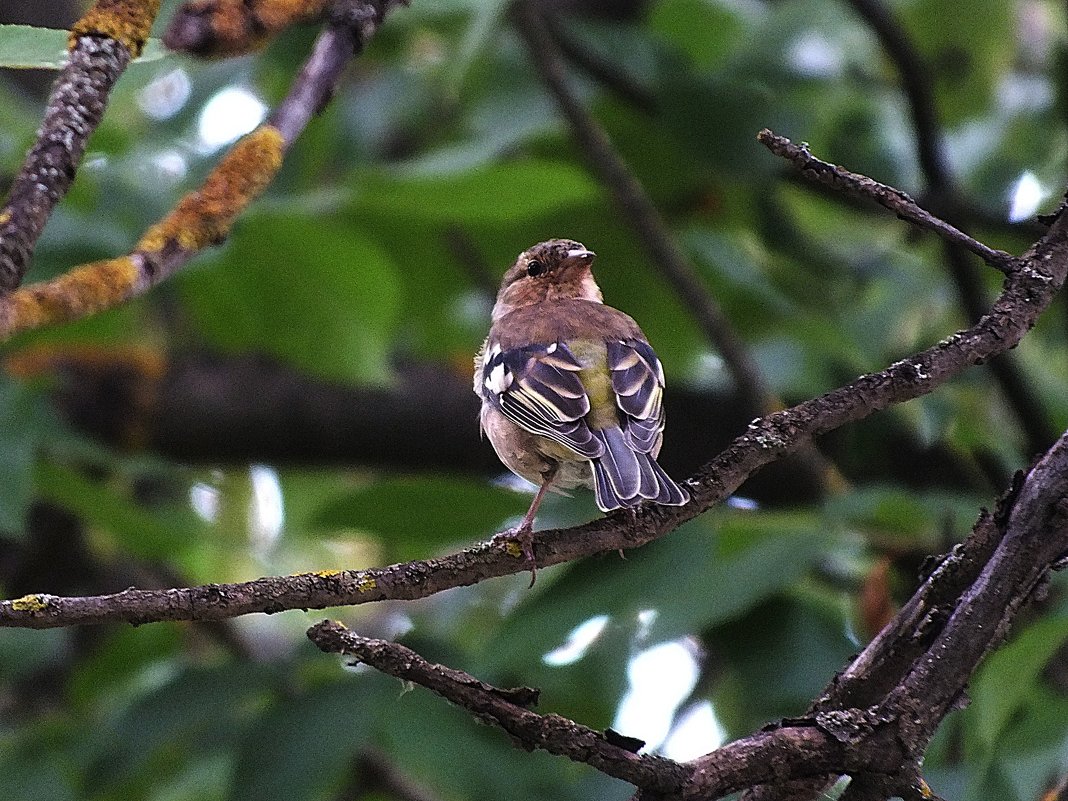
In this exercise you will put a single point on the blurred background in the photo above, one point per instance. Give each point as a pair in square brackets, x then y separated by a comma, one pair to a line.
[299, 398]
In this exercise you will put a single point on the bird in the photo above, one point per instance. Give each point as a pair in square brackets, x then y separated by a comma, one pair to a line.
[572, 392]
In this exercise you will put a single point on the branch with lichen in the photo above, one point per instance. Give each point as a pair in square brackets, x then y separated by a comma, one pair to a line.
[101, 45]
[200, 219]
[204, 217]
[219, 28]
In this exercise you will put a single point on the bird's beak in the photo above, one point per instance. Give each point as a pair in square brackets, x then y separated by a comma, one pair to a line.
[579, 257]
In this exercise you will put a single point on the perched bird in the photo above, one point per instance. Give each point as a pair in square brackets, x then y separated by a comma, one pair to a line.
[572, 393]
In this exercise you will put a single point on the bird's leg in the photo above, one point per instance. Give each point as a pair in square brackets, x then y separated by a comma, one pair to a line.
[632, 513]
[524, 532]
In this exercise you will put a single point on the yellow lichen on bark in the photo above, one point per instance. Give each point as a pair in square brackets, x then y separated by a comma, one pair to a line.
[204, 217]
[200, 219]
[83, 291]
[126, 21]
[29, 603]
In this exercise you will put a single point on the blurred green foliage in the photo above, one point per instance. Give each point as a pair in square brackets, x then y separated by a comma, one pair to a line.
[441, 156]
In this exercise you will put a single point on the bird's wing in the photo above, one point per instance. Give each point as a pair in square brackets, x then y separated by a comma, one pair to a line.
[638, 382]
[538, 388]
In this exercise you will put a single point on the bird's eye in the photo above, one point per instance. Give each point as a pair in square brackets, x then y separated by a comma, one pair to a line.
[535, 268]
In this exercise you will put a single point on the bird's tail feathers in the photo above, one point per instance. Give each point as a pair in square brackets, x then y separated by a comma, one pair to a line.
[624, 477]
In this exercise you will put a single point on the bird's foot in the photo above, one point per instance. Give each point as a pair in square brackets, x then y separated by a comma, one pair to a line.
[523, 536]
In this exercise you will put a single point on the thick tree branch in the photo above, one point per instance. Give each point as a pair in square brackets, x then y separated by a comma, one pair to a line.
[914, 673]
[102, 44]
[211, 408]
[1036, 537]
[919, 664]
[233, 27]
[1038, 276]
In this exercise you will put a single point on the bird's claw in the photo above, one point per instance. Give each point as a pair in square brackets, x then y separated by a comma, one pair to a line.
[523, 536]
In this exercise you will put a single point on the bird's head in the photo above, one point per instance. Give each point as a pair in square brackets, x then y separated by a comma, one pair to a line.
[555, 270]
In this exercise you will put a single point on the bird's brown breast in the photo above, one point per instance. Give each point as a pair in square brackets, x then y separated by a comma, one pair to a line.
[562, 321]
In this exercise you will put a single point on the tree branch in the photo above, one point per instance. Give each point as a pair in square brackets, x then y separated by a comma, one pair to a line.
[607, 73]
[881, 743]
[918, 92]
[914, 673]
[221, 28]
[212, 408]
[102, 43]
[789, 751]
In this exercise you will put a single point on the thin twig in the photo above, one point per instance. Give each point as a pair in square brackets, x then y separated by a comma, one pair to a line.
[1027, 291]
[102, 44]
[352, 24]
[886, 196]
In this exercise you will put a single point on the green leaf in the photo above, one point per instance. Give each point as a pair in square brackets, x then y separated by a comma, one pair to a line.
[25, 422]
[776, 658]
[310, 292]
[511, 192]
[304, 747]
[1008, 678]
[966, 55]
[35, 761]
[704, 31]
[198, 711]
[753, 557]
[417, 516]
[152, 533]
[480, 32]
[899, 518]
[16, 465]
[30, 47]
[441, 745]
